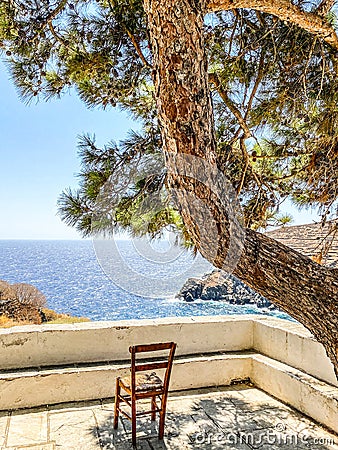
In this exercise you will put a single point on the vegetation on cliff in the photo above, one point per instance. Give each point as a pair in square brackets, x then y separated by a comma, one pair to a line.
[24, 304]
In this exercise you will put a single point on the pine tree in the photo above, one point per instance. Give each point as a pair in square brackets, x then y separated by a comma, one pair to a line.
[272, 75]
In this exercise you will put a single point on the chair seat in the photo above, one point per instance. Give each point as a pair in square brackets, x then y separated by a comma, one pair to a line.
[143, 382]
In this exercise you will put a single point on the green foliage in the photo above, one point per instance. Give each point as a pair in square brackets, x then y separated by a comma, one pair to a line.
[122, 187]
[283, 219]
[276, 79]
[55, 45]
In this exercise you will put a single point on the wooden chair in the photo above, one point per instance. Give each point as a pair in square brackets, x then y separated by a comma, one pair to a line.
[145, 385]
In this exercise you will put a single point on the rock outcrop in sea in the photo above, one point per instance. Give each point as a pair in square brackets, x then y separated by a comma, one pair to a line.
[311, 240]
[221, 286]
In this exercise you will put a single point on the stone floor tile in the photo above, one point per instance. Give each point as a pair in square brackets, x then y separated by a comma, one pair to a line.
[254, 398]
[105, 422]
[232, 418]
[27, 428]
[291, 446]
[4, 422]
[315, 437]
[47, 446]
[120, 439]
[265, 418]
[108, 404]
[301, 424]
[287, 439]
[74, 430]
[235, 419]
[178, 404]
[76, 406]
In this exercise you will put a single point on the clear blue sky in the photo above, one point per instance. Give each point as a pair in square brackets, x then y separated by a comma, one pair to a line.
[39, 159]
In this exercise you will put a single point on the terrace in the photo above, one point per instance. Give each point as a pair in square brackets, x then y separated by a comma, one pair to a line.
[238, 382]
[237, 417]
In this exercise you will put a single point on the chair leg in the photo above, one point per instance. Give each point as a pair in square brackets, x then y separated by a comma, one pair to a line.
[133, 421]
[162, 417]
[161, 425]
[117, 404]
[153, 407]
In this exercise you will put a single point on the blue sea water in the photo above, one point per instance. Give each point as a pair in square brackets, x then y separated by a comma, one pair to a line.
[73, 280]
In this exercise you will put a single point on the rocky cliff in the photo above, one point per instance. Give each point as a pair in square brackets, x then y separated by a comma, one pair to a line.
[221, 286]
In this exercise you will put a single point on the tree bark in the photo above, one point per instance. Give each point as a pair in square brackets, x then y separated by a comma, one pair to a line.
[302, 288]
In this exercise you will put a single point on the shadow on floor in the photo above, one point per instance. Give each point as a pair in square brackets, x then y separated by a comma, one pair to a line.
[242, 419]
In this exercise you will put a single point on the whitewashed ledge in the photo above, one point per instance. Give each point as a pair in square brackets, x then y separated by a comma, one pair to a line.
[60, 363]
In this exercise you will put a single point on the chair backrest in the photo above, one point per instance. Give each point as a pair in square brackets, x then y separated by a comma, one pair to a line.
[164, 363]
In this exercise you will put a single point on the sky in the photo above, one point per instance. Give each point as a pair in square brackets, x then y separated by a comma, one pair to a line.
[38, 159]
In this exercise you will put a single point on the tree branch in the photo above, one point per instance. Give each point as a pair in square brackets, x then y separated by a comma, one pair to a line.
[53, 14]
[56, 36]
[133, 40]
[56, 11]
[283, 9]
[324, 7]
[256, 84]
[138, 48]
[247, 160]
[213, 78]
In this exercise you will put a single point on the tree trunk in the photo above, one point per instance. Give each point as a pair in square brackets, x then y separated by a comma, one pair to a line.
[302, 288]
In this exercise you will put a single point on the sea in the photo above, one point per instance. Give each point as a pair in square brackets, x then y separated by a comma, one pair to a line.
[111, 279]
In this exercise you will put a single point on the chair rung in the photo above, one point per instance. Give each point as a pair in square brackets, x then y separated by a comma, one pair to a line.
[151, 366]
[124, 413]
[152, 347]
[143, 395]
[143, 413]
[125, 400]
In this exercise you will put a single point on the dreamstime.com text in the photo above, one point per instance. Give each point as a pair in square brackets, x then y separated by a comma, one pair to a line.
[277, 436]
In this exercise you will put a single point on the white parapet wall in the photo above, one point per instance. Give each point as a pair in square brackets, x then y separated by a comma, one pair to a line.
[60, 363]
[46, 345]
[294, 345]
[309, 395]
